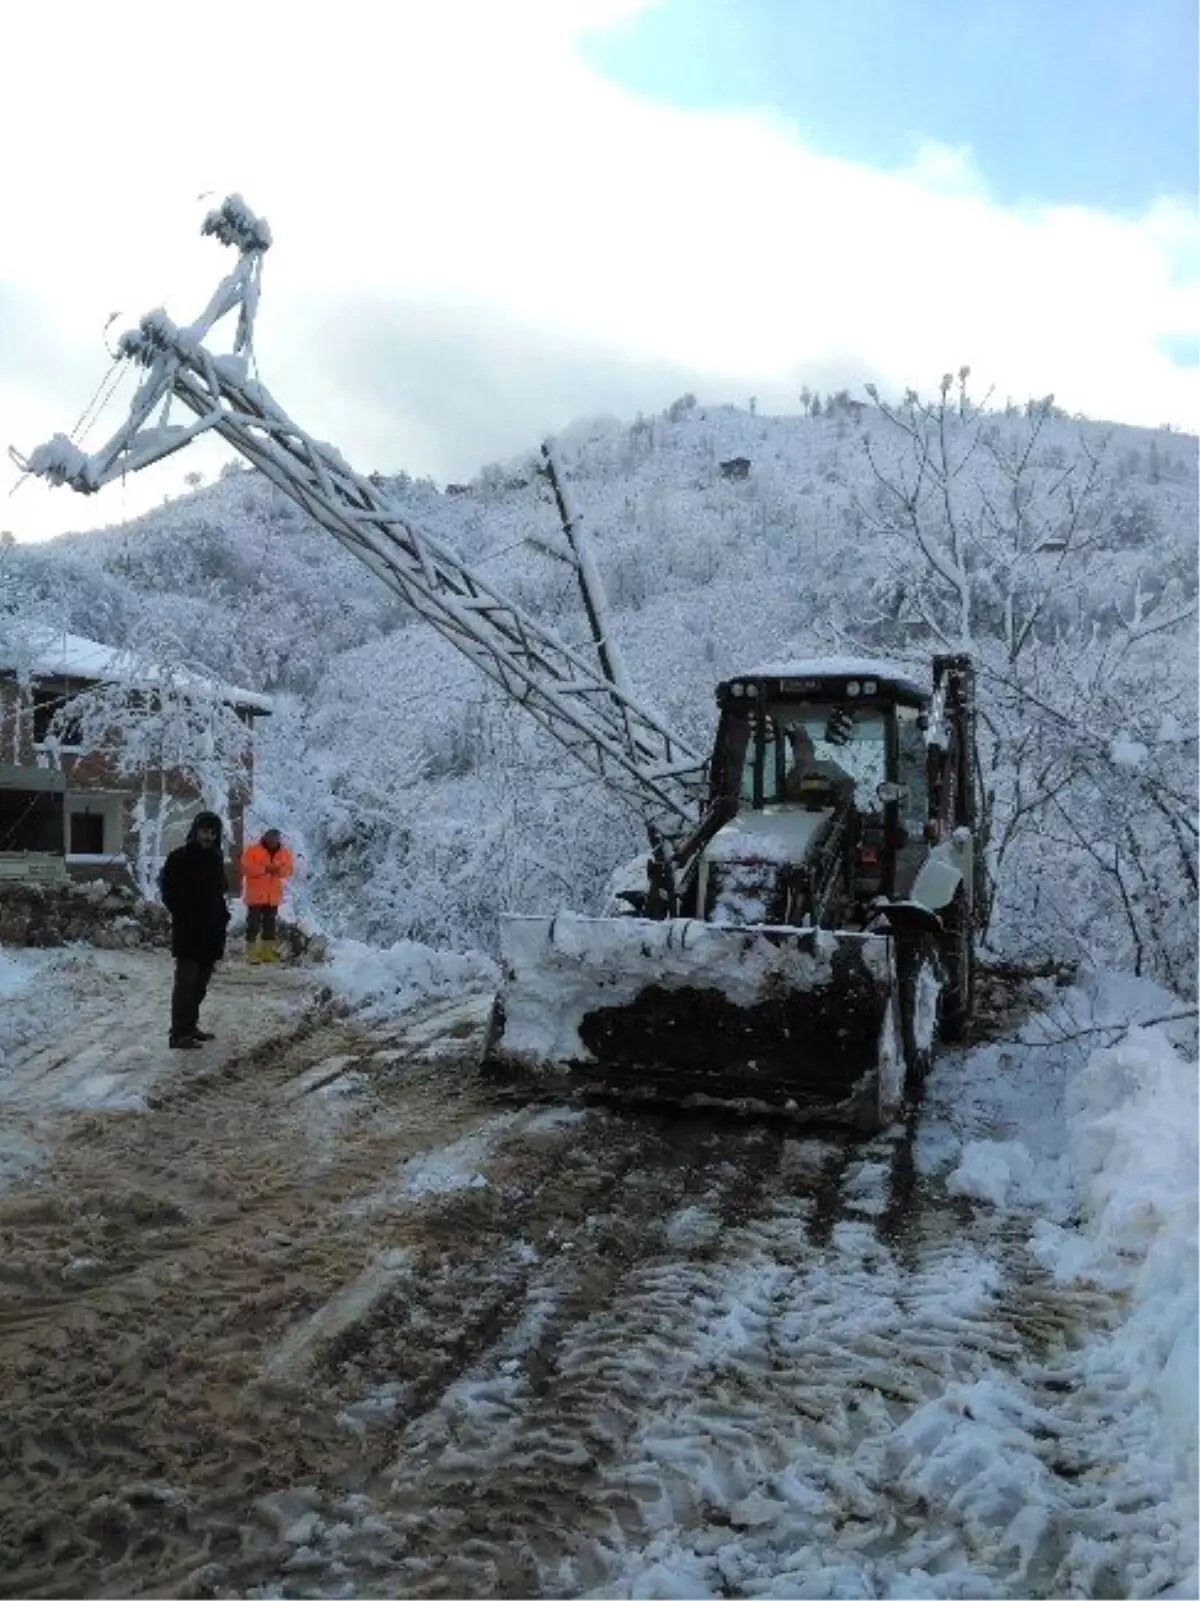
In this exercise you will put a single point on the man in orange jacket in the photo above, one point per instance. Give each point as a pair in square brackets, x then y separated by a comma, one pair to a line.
[265, 867]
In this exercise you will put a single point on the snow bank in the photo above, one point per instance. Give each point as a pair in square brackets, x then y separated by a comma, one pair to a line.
[1133, 1120]
[1009, 1135]
[40, 992]
[28, 997]
[1088, 1124]
[15, 978]
[382, 982]
[974, 1449]
[993, 1171]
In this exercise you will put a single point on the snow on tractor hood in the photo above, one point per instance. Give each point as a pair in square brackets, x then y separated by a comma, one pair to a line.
[780, 834]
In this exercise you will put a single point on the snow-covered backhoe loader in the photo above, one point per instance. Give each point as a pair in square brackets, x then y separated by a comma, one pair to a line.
[801, 927]
[810, 940]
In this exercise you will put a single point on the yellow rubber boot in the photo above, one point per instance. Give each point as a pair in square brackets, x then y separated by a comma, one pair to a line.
[267, 951]
[253, 954]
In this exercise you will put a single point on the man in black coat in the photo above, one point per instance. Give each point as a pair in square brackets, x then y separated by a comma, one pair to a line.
[193, 889]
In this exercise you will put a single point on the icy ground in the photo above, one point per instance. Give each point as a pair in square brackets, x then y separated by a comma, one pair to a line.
[86, 1030]
[332, 1319]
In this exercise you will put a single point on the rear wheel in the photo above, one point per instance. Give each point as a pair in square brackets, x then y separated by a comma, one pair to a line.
[958, 961]
[920, 982]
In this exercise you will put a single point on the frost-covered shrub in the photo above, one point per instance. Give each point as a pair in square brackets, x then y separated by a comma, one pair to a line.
[1000, 539]
[1132, 523]
[458, 745]
[678, 409]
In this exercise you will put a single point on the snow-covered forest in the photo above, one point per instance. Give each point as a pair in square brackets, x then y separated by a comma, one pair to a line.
[1061, 551]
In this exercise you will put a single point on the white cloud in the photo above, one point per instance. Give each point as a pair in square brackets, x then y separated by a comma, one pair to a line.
[464, 153]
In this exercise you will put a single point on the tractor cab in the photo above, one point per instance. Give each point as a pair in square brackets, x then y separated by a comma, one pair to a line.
[823, 766]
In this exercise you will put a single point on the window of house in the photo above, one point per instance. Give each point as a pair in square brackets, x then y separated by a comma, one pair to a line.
[87, 834]
[47, 703]
[31, 820]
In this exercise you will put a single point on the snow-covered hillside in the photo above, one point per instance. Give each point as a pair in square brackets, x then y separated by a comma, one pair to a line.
[1063, 551]
[233, 574]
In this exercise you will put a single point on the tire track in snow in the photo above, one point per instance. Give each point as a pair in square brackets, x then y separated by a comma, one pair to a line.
[555, 1397]
[756, 1354]
[643, 1354]
[149, 1273]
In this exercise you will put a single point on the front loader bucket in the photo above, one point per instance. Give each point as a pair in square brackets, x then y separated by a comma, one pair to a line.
[800, 1018]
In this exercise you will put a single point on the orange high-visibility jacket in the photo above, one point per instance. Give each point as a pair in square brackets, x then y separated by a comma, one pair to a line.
[263, 874]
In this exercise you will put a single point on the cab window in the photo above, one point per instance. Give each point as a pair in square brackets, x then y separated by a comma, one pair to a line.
[859, 753]
[914, 807]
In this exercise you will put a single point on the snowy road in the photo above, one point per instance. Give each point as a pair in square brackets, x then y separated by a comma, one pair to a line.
[331, 1319]
[85, 1031]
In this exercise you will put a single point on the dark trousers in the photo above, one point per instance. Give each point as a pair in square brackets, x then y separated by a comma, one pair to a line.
[261, 920]
[191, 986]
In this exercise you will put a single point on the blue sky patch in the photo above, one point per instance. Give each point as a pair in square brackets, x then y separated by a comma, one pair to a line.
[1182, 349]
[1090, 102]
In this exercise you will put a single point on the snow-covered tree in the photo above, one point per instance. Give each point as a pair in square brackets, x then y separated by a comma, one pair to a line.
[174, 732]
[997, 537]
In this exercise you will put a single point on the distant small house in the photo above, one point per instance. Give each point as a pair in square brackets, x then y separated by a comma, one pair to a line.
[737, 467]
[66, 812]
[458, 489]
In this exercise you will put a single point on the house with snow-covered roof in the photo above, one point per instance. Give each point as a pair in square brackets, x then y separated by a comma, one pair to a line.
[107, 754]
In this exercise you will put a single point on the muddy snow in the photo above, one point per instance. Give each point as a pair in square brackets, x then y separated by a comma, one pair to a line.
[317, 1312]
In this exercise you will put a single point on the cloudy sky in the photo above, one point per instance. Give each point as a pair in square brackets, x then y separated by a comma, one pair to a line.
[494, 218]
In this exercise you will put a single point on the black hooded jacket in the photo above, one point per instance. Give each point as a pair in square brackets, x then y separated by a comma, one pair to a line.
[193, 888]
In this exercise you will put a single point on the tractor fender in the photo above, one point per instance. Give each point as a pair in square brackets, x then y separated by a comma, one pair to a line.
[944, 870]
